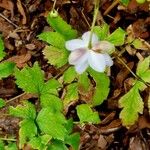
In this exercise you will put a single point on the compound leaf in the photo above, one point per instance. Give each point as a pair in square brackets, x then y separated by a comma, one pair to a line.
[69, 75]
[27, 131]
[102, 87]
[83, 83]
[2, 53]
[117, 37]
[55, 56]
[71, 94]
[86, 114]
[2, 103]
[51, 87]
[102, 31]
[53, 38]
[30, 79]
[40, 142]
[125, 2]
[132, 105]
[53, 102]
[52, 123]
[26, 111]
[59, 25]
[57, 145]
[143, 67]
[73, 140]
[6, 69]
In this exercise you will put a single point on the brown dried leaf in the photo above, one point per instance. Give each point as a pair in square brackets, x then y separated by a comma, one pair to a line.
[21, 60]
[5, 27]
[9, 5]
[22, 12]
[121, 76]
[137, 144]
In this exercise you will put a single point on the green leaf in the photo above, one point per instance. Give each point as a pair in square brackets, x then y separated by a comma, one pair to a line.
[69, 125]
[102, 87]
[2, 53]
[40, 142]
[27, 131]
[11, 146]
[73, 140]
[137, 43]
[102, 31]
[132, 104]
[31, 80]
[125, 2]
[55, 56]
[117, 37]
[2, 103]
[6, 69]
[71, 94]
[1, 145]
[52, 123]
[26, 111]
[59, 25]
[143, 71]
[50, 87]
[143, 67]
[69, 75]
[53, 38]
[53, 102]
[141, 1]
[57, 145]
[86, 114]
[83, 83]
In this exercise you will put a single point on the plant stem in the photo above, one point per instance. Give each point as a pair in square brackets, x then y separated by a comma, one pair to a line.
[96, 9]
[136, 76]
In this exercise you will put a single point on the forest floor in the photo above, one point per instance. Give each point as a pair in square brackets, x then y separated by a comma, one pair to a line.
[21, 21]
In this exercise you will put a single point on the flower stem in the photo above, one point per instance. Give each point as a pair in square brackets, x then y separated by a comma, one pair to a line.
[136, 76]
[96, 9]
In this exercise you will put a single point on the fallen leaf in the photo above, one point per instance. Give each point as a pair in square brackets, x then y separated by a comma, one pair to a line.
[22, 12]
[20, 60]
[121, 76]
[9, 5]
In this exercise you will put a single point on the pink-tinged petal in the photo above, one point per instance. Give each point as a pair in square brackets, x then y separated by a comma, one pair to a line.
[78, 56]
[97, 61]
[104, 46]
[80, 68]
[74, 44]
[86, 38]
[108, 60]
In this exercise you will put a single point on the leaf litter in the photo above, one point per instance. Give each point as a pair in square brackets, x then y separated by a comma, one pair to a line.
[109, 133]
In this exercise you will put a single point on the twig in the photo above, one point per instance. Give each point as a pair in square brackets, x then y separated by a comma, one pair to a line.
[16, 97]
[83, 15]
[5, 139]
[9, 21]
[62, 71]
[111, 7]
[54, 4]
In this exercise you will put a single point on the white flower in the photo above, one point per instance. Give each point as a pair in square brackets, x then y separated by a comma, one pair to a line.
[97, 57]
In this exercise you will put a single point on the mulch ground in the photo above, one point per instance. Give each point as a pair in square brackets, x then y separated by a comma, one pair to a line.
[27, 19]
